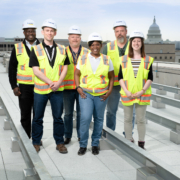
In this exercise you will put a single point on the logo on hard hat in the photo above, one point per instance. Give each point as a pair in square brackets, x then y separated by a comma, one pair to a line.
[95, 36]
[118, 21]
[51, 22]
[30, 23]
[137, 33]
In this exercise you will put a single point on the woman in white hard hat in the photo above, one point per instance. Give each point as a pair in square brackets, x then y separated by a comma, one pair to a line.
[135, 77]
[94, 77]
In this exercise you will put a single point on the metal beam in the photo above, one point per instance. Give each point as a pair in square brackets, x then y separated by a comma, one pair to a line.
[30, 156]
[166, 100]
[136, 153]
[165, 88]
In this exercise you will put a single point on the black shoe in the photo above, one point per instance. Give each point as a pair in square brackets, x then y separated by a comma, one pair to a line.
[95, 150]
[41, 143]
[79, 139]
[82, 151]
[67, 140]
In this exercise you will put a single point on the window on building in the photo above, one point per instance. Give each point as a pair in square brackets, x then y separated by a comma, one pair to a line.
[12, 45]
[161, 51]
[155, 57]
[160, 57]
[170, 57]
[165, 57]
[1, 45]
[4, 45]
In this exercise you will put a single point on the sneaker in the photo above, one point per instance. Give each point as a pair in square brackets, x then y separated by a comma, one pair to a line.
[37, 148]
[61, 148]
[95, 150]
[82, 151]
[67, 140]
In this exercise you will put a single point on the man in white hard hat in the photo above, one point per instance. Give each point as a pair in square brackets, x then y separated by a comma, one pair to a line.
[74, 50]
[21, 77]
[49, 62]
[116, 49]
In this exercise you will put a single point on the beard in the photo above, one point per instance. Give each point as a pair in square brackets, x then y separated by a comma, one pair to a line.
[120, 39]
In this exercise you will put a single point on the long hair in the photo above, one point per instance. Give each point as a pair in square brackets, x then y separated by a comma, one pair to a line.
[131, 53]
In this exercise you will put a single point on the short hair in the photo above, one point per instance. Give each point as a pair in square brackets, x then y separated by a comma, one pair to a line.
[91, 42]
[131, 53]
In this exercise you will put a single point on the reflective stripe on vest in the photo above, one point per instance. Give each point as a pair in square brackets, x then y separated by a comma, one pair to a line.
[112, 45]
[39, 50]
[21, 77]
[146, 62]
[143, 98]
[61, 49]
[124, 62]
[84, 59]
[20, 48]
[44, 87]
[96, 90]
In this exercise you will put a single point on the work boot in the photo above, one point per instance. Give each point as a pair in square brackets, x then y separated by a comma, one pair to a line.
[79, 139]
[82, 151]
[41, 143]
[61, 148]
[67, 140]
[141, 144]
[37, 148]
[95, 150]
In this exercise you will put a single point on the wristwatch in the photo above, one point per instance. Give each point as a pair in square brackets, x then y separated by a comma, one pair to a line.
[78, 87]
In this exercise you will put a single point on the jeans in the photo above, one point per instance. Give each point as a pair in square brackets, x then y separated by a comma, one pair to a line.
[91, 106]
[40, 101]
[69, 97]
[26, 105]
[112, 107]
[133, 119]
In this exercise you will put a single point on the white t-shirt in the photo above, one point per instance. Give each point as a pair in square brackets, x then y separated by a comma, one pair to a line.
[95, 63]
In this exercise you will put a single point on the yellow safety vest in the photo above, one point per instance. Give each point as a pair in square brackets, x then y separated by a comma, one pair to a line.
[98, 83]
[25, 74]
[40, 87]
[113, 53]
[133, 84]
[69, 82]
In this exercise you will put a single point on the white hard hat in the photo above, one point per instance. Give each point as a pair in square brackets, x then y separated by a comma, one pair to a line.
[74, 30]
[94, 37]
[28, 23]
[50, 23]
[136, 33]
[119, 23]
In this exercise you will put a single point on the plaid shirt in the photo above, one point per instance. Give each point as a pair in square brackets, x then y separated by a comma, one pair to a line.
[75, 55]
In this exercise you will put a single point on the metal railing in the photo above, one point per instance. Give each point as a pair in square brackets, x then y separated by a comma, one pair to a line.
[35, 167]
[166, 88]
[166, 100]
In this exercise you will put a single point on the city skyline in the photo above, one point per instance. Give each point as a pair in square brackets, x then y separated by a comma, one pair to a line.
[91, 16]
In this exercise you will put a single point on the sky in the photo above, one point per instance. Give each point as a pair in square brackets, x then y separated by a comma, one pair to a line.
[91, 16]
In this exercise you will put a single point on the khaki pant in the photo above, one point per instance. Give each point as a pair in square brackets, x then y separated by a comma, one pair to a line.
[140, 119]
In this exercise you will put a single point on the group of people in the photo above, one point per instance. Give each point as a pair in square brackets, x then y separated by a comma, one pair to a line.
[39, 72]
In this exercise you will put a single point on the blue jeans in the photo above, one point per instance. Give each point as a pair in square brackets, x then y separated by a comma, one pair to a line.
[91, 106]
[40, 101]
[133, 119]
[112, 107]
[69, 98]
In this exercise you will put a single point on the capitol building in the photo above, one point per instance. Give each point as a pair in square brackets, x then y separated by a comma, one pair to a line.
[161, 50]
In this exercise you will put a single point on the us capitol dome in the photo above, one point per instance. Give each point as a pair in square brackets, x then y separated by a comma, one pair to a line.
[154, 33]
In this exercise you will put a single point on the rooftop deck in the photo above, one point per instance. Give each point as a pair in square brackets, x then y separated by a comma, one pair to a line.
[110, 164]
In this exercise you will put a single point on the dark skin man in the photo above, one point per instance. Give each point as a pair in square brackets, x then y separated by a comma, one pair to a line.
[30, 36]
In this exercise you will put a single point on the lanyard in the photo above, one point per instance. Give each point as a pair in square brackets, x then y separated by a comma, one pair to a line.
[50, 59]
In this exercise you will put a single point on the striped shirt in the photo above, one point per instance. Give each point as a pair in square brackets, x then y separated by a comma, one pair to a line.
[135, 65]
